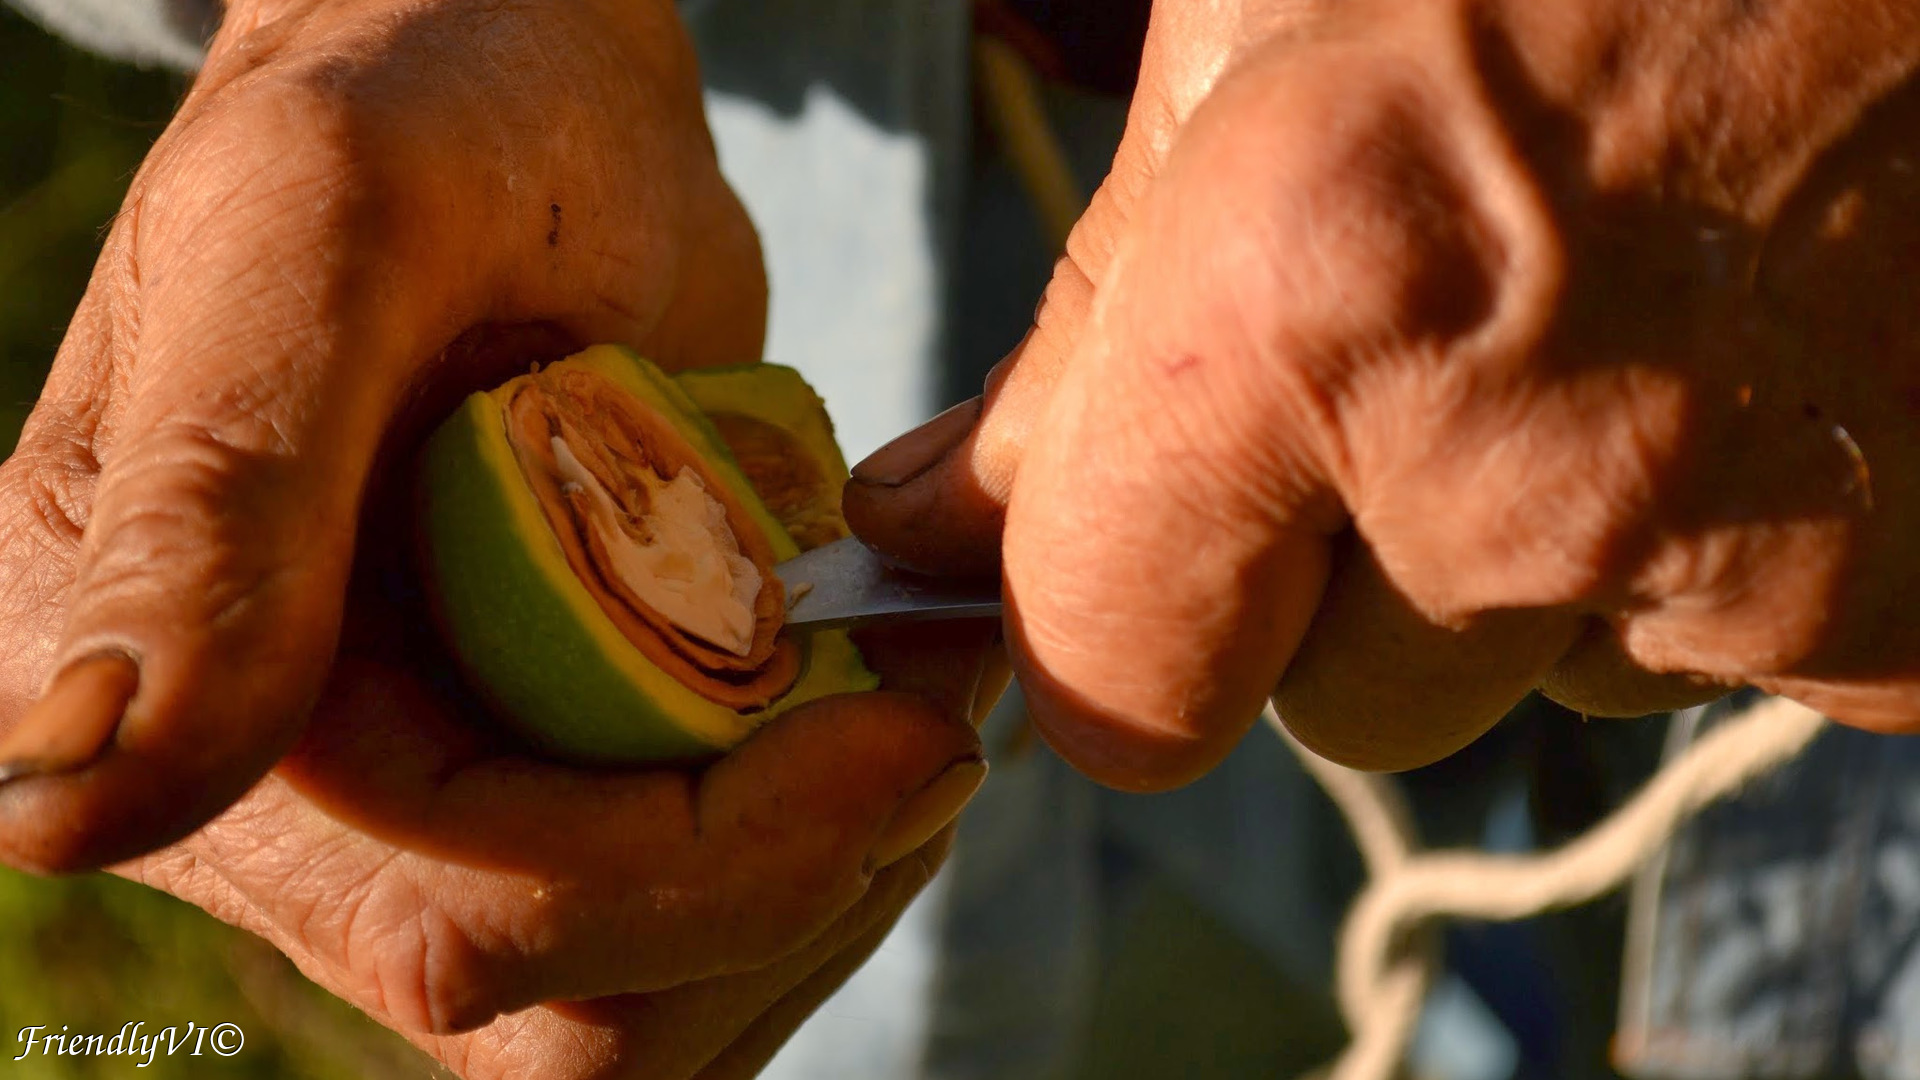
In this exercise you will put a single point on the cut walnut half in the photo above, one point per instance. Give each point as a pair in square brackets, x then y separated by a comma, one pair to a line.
[659, 541]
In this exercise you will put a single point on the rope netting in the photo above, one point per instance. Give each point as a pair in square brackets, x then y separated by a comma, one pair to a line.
[1387, 956]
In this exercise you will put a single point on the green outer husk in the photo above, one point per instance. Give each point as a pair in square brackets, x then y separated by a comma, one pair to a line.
[772, 393]
[531, 636]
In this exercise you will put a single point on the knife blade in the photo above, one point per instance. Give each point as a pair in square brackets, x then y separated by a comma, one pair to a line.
[847, 583]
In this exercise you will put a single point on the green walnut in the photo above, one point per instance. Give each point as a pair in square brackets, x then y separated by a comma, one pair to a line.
[601, 563]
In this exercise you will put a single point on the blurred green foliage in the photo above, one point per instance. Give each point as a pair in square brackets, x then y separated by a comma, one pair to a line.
[74, 128]
[93, 953]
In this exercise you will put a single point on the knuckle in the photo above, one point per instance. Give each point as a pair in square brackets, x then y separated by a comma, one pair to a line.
[400, 955]
[447, 974]
[1390, 299]
[313, 182]
[1740, 600]
[1330, 229]
[187, 500]
[53, 473]
[46, 492]
[363, 920]
[219, 145]
[1366, 232]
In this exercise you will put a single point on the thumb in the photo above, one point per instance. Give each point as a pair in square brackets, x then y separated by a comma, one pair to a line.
[1165, 538]
[206, 585]
[1169, 536]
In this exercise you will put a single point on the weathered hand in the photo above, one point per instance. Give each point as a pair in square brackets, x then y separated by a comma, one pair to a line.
[673, 924]
[348, 188]
[363, 211]
[1412, 357]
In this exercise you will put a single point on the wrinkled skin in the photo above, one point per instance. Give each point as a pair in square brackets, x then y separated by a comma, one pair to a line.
[1411, 356]
[215, 484]
[1416, 355]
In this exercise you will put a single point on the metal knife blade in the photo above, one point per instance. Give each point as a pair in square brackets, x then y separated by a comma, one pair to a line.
[846, 583]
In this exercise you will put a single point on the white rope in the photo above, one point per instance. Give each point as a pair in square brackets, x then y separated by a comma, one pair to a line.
[1386, 957]
[1383, 828]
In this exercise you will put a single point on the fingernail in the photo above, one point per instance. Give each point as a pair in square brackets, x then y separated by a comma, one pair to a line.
[927, 811]
[918, 450]
[71, 724]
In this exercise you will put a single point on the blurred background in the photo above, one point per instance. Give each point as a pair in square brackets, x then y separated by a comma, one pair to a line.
[73, 128]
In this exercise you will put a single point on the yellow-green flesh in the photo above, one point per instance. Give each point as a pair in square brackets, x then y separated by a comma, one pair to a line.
[775, 395]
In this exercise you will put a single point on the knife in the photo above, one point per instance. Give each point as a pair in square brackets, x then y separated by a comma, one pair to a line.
[847, 583]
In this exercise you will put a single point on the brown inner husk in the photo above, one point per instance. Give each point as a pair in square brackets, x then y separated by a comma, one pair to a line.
[615, 437]
[787, 478]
